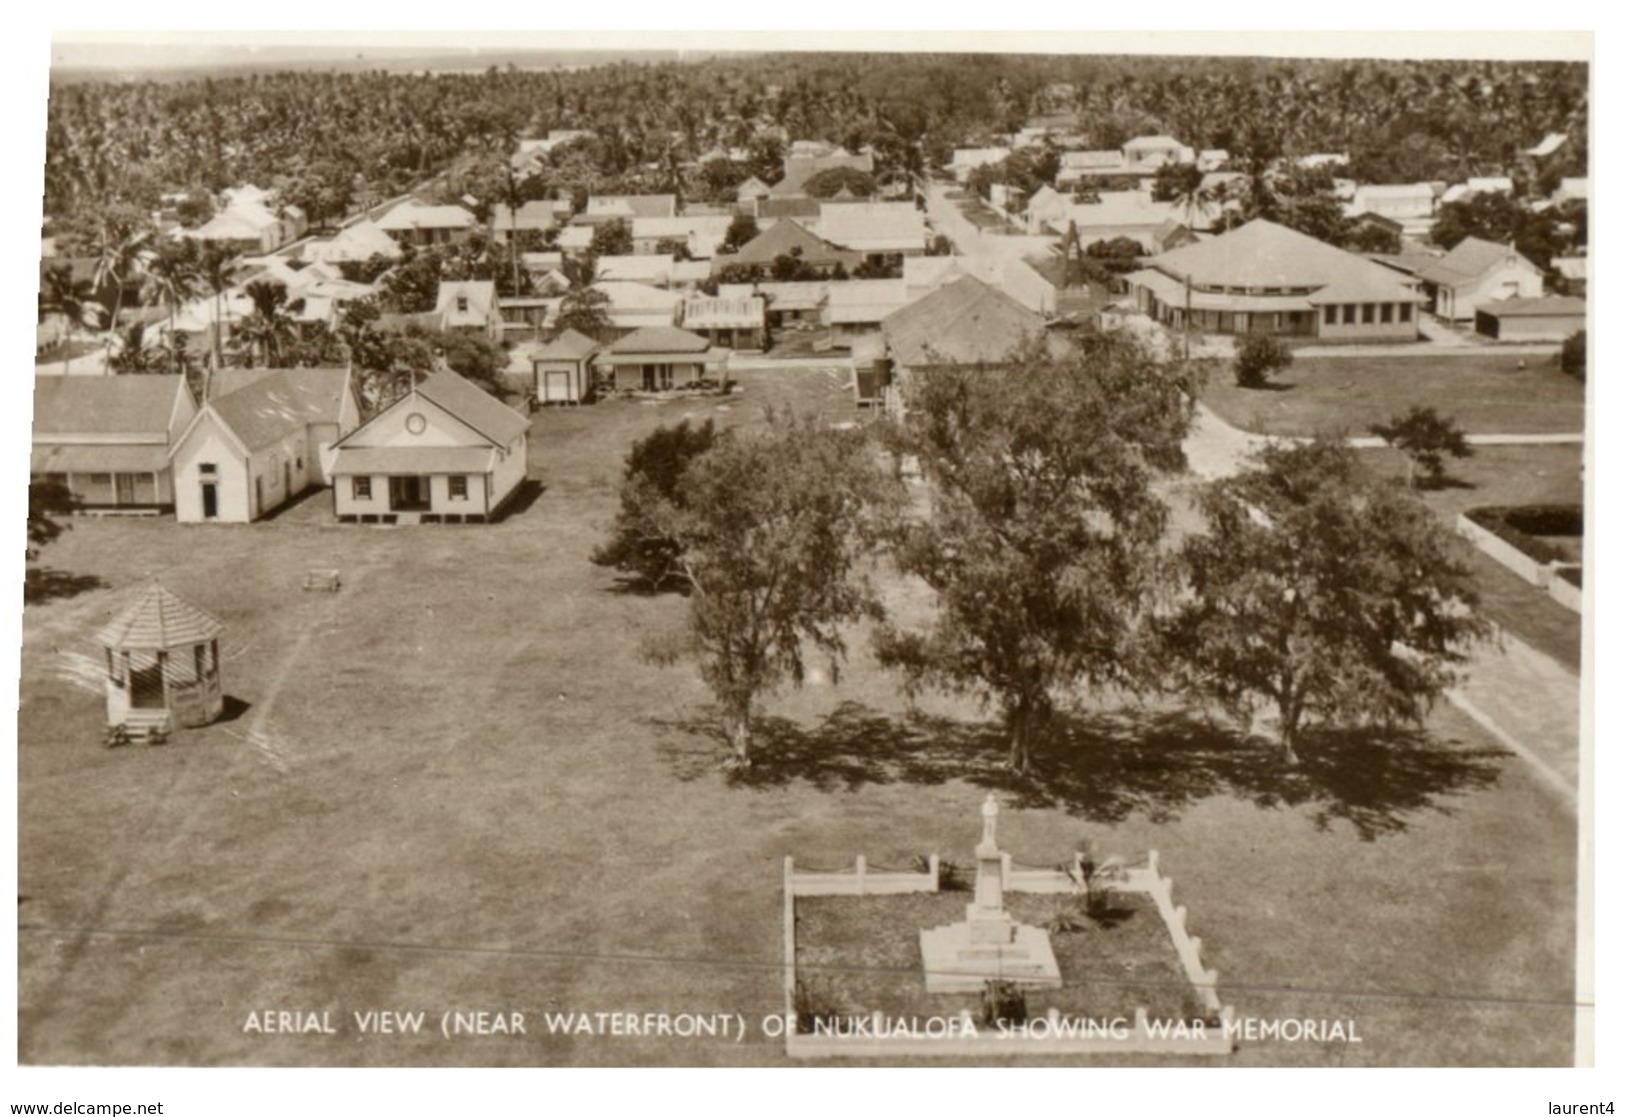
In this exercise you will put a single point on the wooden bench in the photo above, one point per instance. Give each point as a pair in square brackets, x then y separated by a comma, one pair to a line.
[323, 578]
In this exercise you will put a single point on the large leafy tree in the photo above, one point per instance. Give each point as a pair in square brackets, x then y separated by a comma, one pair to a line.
[1323, 592]
[48, 503]
[612, 238]
[1043, 539]
[639, 545]
[773, 531]
[1502, 219]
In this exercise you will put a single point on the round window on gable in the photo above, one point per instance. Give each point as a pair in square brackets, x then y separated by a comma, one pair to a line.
[416, 423]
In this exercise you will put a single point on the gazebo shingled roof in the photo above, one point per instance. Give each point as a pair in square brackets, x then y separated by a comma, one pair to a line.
[157, 621]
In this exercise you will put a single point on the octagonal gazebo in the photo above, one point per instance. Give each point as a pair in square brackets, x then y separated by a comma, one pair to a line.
[163, 665]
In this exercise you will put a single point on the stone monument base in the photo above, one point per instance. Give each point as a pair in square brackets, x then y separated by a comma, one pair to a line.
[959, 960]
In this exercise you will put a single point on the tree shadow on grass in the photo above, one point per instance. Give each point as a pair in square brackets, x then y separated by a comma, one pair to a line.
[44, 583]
[1106, 766]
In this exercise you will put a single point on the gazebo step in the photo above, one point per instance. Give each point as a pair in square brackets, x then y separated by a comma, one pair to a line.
[147, 725]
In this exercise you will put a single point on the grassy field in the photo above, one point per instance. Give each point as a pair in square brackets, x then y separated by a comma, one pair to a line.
[455, 785]
[1484, 394]
[1510, 475]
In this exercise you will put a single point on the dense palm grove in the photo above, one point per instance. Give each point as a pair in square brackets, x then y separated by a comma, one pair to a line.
[332, 142]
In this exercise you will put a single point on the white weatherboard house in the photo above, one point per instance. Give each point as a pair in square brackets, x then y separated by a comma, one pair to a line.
[259, 441]
[1476, 272]
[446, 452]
[107, 438]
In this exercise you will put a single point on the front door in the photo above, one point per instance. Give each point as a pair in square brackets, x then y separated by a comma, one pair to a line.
[211, 501]
[124, 484]
[287, 480]
[556, 387]
[408, 494]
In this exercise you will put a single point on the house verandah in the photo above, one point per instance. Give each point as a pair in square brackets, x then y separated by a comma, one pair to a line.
[446, 452]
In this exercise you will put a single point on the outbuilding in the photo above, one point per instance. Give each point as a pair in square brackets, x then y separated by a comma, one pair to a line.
[163, 667]
[562, 368]
[1551, 318]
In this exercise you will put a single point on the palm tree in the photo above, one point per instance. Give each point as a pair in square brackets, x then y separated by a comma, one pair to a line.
[123, 248]
[214, 273]
[172, 277]
[131, 356]
[74, 300]
[268, 328]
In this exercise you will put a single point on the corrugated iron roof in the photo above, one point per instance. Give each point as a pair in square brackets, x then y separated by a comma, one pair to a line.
[83, 458]
[474, 406]
[966, 321]
[659, 339]
[262, 406]
[156, 621]
[105, 404]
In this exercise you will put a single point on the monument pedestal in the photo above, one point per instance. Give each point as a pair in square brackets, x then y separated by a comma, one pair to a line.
[957, 960]
[988, 945]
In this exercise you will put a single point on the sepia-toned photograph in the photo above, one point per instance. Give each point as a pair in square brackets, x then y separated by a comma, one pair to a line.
[678, 550]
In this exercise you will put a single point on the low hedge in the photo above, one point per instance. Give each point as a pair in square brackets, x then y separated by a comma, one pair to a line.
[1520, 524]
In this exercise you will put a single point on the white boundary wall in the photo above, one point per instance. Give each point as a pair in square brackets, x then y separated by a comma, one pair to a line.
[1542, 575]
[1049, 1035]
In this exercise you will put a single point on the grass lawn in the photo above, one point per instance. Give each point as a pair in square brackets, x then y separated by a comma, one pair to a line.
[859, 954]
[455, 785]
[1510, 475]
[1484, 393]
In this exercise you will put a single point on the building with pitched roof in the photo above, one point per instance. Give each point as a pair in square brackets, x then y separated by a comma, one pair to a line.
[732, 319]
[163, 667]
[258, 442]
[1547, 318]
[801, 208]
[659, 358]
[1477, 271]
[354, 244]
[562, 368]
[798, 169]
[699, 234]
[967, 159]
[414, 223]
[535, 216]
[469, 306]
[790, 238]
[965, 322]
[1151, 153]
[636, 306]
[247, 223]
[855, 308]
[106, 439]
[1129, 214]
[1264, 278]
[602, 208]
[445, 452]
[880, 232]
[1415, 205]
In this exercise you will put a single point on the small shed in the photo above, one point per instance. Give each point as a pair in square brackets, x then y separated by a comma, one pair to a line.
[562, 368]
[163, 665]
[1549, 318]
